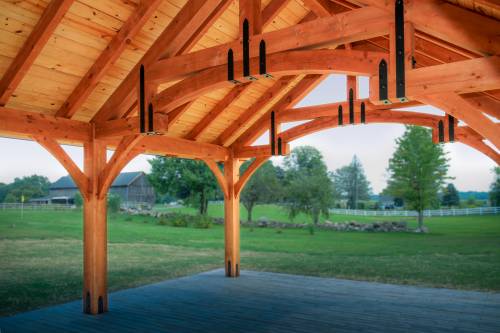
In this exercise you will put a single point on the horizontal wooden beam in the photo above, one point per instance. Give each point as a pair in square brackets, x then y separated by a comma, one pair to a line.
[279, 64]
[170, 146]
[129, 126]
[23, 123]
[474, 75]
[355, 25]
[258, 151]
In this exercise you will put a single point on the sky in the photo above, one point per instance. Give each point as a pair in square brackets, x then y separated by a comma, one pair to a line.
[373, 144]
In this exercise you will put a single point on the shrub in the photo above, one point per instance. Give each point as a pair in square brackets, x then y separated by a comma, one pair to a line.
[178, 220]
[128, 218]
[311, 229]
[114, 202]
[202, 222]
[162, 221]
[78, 200]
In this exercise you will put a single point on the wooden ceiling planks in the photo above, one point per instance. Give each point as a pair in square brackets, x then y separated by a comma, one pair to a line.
[90, 25]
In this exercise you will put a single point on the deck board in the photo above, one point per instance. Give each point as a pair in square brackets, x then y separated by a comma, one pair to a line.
[270, 302]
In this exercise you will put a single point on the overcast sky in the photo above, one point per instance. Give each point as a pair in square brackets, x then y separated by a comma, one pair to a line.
[373, 144]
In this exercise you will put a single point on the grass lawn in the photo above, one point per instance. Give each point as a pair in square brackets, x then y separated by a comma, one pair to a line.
[41, 255]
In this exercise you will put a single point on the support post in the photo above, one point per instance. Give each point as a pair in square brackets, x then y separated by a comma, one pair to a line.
[232, 218]
[95, 294]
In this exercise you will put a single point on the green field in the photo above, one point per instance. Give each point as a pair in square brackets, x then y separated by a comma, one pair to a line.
[41, 255]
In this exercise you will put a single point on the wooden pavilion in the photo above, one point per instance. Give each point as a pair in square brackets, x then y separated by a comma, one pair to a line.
[203, 79]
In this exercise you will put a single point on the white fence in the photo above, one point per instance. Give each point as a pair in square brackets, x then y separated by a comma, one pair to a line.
[428, 213]
[30, 206]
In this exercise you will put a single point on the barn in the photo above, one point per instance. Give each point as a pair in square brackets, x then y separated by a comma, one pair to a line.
[132, 187]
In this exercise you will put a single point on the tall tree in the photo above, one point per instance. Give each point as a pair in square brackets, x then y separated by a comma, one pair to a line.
[263, 187]
[495, 188]
[417, 170]
[4, 189]
[351, 184]
[308, 189]
[185, 179]
[33, 186]
[450, 196]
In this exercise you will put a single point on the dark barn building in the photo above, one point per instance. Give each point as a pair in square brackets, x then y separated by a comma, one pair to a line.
[132, 187]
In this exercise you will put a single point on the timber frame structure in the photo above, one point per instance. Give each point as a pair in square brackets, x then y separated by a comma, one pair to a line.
[203, 79]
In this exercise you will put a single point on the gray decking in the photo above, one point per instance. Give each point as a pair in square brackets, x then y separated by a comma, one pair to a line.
[268, 302]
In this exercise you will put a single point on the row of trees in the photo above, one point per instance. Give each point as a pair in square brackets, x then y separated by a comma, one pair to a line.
[417, 173]
[30, 187]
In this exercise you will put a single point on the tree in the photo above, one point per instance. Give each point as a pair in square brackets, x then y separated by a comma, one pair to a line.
[450, 196]
[185, 179]
[350, 183]
[263, 187]
[308, 189]
[4, 189]
[417, 170]
[29, 186]
[114, 203]
[495, 188]
[78, 200]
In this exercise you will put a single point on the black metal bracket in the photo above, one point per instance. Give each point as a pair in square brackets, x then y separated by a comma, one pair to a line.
[230, 67]
[272, 134]
[100, 305]
[351, 106]
[451, 128]
[383, 94]
[151, 130]
[341, 116]
[142, 100]
[263, 60]
[363, 113]
[86, 305]
[400, 50]
[441, 131]
[280, 149]
[229, 268]
[246, 51]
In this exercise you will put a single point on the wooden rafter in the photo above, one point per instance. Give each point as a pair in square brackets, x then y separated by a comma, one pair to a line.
[308, 83]
[271, 10]
[110, 54]
[216, 111]
[281, 84]
[322, 8]
[178, 33]
[41, 33]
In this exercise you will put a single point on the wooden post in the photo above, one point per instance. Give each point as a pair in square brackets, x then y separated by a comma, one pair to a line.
[232, 218]
[95, 296]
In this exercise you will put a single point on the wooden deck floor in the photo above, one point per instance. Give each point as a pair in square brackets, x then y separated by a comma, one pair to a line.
[268, 302]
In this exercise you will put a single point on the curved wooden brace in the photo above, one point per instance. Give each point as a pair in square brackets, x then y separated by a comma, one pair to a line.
[459, 108]
[218, 175]
[123, 154]
[256, 164]
[325, 61]
[470, 138]
[80, 179]
[386, 116]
